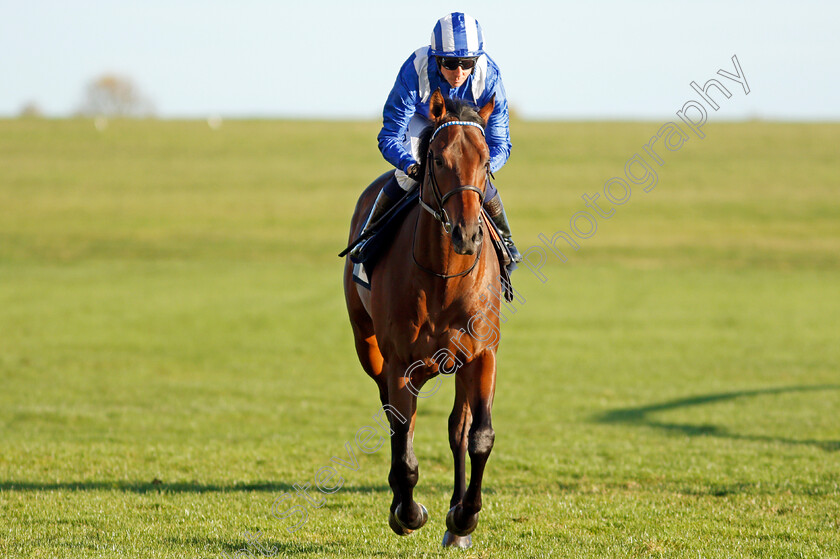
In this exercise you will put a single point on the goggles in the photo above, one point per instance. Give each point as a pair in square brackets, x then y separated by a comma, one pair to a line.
[451, 63]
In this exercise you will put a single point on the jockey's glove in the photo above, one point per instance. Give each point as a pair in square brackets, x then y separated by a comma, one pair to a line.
[413, 172]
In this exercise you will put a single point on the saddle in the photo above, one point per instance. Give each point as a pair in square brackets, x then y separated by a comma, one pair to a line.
[381, 235]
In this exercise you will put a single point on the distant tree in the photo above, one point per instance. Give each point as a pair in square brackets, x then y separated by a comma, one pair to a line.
[31, 110]
[112, 95]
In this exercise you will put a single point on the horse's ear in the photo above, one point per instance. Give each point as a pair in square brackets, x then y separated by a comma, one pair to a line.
[437, 107]
[485, 111]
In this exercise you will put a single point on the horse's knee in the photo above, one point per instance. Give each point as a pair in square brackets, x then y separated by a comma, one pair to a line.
[481, 440]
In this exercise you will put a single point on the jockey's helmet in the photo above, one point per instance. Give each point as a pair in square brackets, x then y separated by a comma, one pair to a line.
[457, 35]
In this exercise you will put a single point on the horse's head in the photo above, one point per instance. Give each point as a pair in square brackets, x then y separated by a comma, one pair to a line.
[456, 168]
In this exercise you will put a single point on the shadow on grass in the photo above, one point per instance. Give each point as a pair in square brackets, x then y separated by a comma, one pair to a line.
[173, 487]
[642, 416]
[276, 548]
[208, 548]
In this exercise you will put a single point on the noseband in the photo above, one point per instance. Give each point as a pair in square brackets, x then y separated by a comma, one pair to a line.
[440, 214]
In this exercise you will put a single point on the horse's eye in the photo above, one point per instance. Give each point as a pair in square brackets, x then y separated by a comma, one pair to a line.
[438, 161]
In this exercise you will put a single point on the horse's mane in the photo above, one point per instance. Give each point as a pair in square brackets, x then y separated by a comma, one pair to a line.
[456, 109]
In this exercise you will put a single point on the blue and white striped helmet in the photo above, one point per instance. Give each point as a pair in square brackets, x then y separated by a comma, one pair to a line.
[457, 35]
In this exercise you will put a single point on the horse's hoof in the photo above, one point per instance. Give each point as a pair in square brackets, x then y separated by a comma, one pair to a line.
[452, 527]
[396, 526]
[402, 529]
[451, 540]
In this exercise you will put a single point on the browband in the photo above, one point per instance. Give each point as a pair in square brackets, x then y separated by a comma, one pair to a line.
[454, 123]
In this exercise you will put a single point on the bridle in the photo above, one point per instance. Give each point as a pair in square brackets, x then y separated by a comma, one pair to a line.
[440, 214]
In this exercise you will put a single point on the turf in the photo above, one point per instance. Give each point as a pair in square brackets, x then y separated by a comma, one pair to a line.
[175, 354]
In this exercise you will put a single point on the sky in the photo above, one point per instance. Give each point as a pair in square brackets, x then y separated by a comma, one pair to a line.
[322, 59]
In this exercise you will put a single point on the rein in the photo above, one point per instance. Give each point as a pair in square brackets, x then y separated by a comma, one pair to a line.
[440, 214]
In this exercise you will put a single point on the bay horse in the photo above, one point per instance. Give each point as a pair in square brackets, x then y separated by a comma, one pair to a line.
[426, 290]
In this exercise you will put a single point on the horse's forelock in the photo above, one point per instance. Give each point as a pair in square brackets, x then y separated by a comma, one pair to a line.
[456, 109]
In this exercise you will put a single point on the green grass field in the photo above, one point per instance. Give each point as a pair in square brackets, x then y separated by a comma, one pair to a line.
[175, 353]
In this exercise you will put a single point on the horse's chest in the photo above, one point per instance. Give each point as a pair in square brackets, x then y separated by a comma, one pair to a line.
[430, 335]
[416, 325]
[429, 332]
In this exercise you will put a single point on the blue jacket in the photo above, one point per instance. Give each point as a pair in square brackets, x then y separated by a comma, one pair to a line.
[419, 77]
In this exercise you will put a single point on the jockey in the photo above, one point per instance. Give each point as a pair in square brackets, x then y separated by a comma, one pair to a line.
[456, 63]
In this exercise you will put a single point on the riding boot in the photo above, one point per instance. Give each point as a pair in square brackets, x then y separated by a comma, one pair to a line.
[496, 211]
[380, 207]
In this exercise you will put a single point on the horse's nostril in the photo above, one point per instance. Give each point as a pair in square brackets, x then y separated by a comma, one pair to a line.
[457, 234]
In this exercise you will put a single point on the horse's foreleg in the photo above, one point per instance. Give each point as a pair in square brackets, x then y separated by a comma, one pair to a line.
[480, 381]
[406, 515]
[459, 425]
